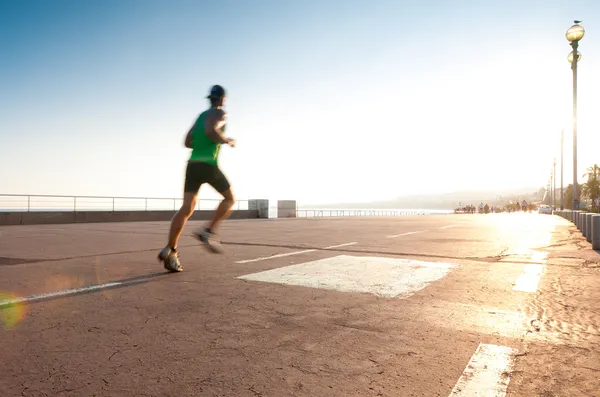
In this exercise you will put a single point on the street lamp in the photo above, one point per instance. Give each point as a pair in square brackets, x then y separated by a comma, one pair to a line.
[574, 34]
[562, 190]
[554, 187]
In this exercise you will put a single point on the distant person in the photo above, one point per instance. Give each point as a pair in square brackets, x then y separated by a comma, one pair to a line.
[205, 139]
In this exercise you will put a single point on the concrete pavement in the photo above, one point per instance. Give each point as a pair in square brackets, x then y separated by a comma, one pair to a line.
[450, 305]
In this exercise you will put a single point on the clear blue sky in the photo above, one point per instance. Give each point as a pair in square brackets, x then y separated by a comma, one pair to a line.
[329, 100]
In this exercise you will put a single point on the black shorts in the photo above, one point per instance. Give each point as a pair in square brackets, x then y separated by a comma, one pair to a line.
[197, 173]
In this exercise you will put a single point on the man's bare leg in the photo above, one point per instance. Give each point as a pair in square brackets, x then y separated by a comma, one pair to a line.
[223, 210]
[181, 217]
[169, 255]
[221, 213]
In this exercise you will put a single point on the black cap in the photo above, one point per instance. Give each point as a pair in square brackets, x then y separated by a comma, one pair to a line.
[216, 92]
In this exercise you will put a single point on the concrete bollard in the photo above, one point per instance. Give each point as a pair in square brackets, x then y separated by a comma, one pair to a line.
[596, 232]
[582, 222]
[286, 208]
[260, 205]
[588, 226]
[588, 230]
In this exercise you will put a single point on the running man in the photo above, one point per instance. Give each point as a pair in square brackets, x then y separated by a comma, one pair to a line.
[205, 139]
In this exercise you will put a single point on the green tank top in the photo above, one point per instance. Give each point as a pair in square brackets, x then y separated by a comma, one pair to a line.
[204, 149]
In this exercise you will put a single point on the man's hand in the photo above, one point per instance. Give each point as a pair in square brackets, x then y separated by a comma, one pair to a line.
[230, 141]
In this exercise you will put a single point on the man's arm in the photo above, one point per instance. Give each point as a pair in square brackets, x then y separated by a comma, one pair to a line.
[188, 138]
[213, 123]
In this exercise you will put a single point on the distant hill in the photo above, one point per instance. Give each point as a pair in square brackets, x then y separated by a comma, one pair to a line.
[447, 201]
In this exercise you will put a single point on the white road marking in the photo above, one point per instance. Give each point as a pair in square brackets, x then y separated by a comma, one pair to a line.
[539, 257]
[447, 227]
[474, 318]
[387, 277]
[406, 234]
[528, 280]
[292, 253]
[57, 293]
[339, 245]
[487, 373]
[275, 256]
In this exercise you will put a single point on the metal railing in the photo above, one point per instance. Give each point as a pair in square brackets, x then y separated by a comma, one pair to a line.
[305, 213]
[55, 203]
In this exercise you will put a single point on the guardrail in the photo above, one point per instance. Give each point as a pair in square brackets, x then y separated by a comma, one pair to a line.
[52, 203]
[305, 213]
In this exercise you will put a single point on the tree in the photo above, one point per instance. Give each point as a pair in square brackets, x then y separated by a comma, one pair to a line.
[591, 189]
[568, 195]
[593, 171]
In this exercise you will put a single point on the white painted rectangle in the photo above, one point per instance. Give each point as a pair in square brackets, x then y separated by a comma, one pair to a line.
[487, 373]
[387, 277]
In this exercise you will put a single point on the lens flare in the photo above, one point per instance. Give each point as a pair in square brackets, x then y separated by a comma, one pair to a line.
[11, 314]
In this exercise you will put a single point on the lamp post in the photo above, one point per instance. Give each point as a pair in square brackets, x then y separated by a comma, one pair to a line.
[574, 34]
[551, 192]
[554, 187]
[562, 138]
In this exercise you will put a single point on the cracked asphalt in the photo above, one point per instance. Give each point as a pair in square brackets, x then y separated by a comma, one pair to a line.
[206, 332]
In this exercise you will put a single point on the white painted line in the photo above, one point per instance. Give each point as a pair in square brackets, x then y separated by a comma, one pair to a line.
[539, 257]
[339, 245]
[386, 277]
[529, 279]
[449, 226]
[57, 293]
[406, 234]
[275, 256]
[487, 373]
[292, 253]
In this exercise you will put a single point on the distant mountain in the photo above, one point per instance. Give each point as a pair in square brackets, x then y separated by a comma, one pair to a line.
[448, 201]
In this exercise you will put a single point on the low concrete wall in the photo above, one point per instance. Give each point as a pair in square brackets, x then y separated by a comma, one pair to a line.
[587, 223]
[40, 218]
